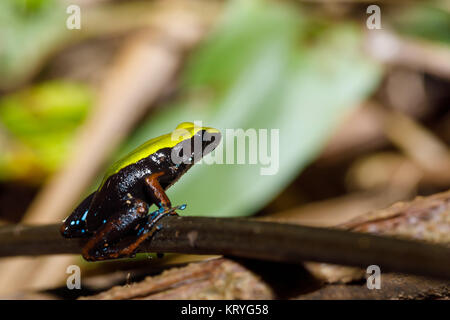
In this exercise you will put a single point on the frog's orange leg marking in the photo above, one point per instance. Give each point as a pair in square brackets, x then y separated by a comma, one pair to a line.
[157, 191]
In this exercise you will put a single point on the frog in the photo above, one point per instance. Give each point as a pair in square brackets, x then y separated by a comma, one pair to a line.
[119, 208]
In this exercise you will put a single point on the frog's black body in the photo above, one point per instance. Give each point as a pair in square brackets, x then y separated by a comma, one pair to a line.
[120, 206]
[130, 180]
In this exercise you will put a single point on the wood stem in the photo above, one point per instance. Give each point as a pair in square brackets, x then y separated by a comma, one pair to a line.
[253, 239]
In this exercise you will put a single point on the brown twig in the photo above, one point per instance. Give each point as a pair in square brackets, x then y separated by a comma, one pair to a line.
[254, 239]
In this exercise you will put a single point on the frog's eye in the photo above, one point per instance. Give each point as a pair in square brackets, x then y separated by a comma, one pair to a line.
[185, 125]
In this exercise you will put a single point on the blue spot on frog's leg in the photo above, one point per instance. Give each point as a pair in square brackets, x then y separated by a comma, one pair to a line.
[83, 218]
[153, 214]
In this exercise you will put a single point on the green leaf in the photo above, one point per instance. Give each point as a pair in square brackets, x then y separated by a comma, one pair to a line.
[29, 31]
[38, 124]
[426, 21]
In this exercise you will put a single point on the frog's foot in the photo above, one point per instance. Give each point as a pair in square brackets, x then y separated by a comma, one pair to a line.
[162, 211]
[149, 229]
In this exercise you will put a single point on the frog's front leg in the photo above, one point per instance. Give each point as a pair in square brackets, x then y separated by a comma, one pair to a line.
[102, 245]
[157, 193]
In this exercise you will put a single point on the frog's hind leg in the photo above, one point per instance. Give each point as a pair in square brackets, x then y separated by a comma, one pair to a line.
[146, 230]
[157, 192]
[146, 227]
[101, 245]
[149, 227]
[75, 225]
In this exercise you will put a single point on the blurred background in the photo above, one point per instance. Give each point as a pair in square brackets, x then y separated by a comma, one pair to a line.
[363, 113]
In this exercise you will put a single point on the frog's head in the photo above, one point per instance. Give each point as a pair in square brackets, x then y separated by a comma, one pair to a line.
[193, 143]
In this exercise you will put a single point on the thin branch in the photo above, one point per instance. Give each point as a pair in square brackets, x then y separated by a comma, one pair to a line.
[254, 239]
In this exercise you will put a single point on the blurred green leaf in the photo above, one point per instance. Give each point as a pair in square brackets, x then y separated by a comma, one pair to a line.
[426, 21]
[38, 124]
[29, 31]
[265, 66]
